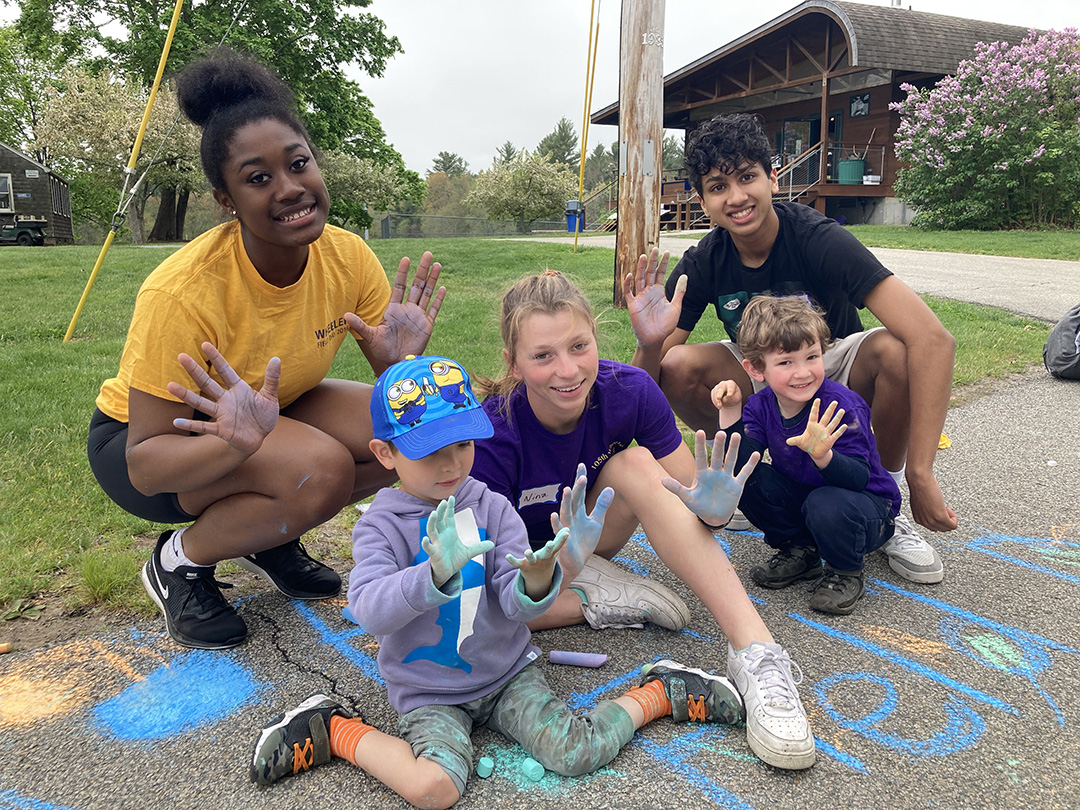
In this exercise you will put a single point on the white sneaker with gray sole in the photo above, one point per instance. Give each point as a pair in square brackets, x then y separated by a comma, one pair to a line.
[912, 557]
[615, 598]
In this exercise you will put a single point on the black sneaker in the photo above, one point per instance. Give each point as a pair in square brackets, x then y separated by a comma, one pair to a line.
[837, 592]
[295, 741]
[293, 572]
[196, 614]
[788, 566]
[696, 695]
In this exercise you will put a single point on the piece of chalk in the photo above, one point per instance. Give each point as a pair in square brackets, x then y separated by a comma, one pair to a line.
[532, 769]
[346, 614]
[577, 659]
[484, 767]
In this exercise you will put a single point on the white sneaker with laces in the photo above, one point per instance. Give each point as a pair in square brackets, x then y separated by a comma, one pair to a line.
[912, 557]
[739, 523]
[614, 598]
[776, 724]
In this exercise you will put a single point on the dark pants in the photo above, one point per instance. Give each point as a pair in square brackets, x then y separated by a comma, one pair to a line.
[843, 525]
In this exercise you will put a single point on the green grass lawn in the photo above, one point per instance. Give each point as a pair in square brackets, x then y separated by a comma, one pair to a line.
[59, 531]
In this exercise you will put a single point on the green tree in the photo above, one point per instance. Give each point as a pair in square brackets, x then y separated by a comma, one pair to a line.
[561, 143]
[506, 153]
[308, 42]
[673, 154]
[531, 187]
[998, 144]
[88, 124]
[360, 186]
[22, 78]
[600, 164]
[449, 163]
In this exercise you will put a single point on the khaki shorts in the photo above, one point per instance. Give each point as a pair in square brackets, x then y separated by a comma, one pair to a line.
[839, 357]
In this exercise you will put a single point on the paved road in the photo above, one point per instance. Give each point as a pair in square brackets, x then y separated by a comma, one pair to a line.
[1042, 288]
[957, 695]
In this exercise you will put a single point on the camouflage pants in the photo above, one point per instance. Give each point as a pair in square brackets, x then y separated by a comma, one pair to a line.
[526, 711]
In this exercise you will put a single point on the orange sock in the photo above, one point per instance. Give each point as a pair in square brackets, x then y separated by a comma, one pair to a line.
[345, 733]
[652, 698]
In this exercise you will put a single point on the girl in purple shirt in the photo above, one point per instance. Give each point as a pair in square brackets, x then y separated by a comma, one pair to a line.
[562, 417]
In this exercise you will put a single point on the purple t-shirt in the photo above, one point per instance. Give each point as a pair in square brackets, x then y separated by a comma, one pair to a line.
[763, 423]
[530, 465]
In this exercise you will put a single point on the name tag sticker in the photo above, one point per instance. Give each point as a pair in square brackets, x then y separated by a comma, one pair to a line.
[531, 497]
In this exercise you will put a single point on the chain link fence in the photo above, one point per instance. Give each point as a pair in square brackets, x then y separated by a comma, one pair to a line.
[418, 226]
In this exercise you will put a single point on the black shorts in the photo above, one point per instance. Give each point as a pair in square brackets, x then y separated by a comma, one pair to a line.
[105, 447]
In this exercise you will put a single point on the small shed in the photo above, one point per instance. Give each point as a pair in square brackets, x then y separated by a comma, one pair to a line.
[821, 77]
[30, 189]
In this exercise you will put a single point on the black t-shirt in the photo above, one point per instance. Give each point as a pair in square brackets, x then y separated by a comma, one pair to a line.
[812, 256]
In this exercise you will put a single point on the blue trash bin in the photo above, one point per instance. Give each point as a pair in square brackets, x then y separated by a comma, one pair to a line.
[575, 216]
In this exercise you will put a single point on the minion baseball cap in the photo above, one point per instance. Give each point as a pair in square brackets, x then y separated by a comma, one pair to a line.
[422, 404]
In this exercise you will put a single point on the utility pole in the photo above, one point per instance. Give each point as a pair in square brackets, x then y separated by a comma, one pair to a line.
[641, 134]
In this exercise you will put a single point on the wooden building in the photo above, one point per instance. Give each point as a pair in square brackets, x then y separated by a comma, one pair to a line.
[29, 189]
[859, 54]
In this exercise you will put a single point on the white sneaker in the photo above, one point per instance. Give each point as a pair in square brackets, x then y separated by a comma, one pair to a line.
[739, 523]
[912, 557]
[776, 724]
[615, 598]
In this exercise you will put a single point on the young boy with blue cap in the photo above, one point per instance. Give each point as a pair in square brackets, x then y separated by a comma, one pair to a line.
[445, 580]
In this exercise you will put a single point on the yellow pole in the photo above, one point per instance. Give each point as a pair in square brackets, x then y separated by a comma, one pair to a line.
[118, 218]
[590, 63]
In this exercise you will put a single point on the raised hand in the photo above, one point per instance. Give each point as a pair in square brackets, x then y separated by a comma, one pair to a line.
[585, 529]
[715, 491]
[726, 394]
[409, 319]
[652, 316]
[538, 567]
[238, 415]
[820, 435]
[444, 548]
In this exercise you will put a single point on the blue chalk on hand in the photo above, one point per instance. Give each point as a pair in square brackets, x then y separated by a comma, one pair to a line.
[532, 769]
[485, 767]
[577, 659]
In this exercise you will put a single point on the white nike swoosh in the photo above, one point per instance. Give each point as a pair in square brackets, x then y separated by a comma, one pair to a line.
[162, 588]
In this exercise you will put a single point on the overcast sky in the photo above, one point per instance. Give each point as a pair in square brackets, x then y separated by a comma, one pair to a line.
[476, 73]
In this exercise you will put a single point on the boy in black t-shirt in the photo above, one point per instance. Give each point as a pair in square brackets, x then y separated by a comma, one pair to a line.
[904, 370]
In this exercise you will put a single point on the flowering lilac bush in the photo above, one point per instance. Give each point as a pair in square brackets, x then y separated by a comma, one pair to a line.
[998, 144]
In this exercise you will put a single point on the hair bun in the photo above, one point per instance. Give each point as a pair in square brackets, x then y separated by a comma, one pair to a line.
[224, 78]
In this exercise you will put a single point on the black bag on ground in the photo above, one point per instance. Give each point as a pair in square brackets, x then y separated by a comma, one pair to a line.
[1061, 354]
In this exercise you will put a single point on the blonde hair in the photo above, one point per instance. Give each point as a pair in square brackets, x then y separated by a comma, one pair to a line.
[783, 324]
[547, 293]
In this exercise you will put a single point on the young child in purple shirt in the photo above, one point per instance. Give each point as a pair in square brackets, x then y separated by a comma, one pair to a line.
[445, 580]
[825, 496]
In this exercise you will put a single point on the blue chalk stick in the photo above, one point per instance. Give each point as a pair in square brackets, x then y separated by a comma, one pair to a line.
[485, 767]
[532, 769]
[577, 659]
[346, 614]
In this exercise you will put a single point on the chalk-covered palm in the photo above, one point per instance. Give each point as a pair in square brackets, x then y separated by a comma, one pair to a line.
[238, 414]
[538, 567]
[446, 552]
[585, 529]
[408, 320]
[820, 435]
[715, 491]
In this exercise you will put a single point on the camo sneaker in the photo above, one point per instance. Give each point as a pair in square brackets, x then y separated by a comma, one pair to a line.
[614, 598]
[289, 568]
[295, 741]
[837, 592]
[196, 614]
[696, 696]
[787, 567]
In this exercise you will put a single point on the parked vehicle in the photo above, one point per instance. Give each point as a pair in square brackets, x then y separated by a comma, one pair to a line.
[22, 230]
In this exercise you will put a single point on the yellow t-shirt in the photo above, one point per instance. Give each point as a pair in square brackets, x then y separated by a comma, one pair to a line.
[210, 291]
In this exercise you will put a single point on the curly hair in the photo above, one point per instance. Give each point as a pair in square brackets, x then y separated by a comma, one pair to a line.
[726, 142]
[225, 91]
[780, 324]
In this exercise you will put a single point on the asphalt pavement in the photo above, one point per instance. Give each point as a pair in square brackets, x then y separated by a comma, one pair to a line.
[956, 695]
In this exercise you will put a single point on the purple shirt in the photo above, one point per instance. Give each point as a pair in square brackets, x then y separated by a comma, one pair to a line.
[530, 465]
[763, 423]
